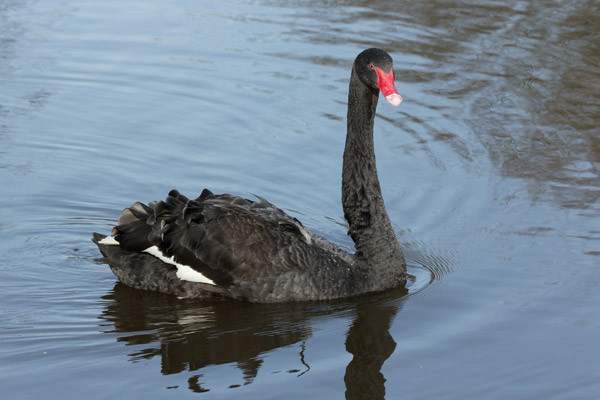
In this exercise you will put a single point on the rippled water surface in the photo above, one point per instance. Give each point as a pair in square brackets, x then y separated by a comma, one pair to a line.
[489, 170]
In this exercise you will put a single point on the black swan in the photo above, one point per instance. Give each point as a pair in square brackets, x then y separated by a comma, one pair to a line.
[225, 245]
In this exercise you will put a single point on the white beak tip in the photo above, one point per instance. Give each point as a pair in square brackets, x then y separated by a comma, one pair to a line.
[394, 99]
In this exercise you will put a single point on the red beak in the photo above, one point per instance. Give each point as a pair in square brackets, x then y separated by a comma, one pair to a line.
[386, 85]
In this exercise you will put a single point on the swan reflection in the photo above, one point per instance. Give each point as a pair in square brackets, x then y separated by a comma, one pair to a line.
[189, 335]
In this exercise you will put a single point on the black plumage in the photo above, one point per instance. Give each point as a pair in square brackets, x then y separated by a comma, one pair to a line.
[252, 250]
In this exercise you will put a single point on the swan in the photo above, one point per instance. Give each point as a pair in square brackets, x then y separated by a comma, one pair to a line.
[229, 246]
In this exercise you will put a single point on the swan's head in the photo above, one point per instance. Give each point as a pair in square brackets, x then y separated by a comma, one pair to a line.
[375, 69]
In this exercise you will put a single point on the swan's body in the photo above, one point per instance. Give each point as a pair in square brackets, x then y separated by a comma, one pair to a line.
[230, 246]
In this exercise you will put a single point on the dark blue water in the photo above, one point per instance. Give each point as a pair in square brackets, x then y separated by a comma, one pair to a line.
[489, 170]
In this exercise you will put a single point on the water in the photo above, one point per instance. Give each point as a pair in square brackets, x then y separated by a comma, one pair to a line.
[489, 170]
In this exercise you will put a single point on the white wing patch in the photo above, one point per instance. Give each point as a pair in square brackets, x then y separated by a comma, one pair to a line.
[184, 272]
[109, 240]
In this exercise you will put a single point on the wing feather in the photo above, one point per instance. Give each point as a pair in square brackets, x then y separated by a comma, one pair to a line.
[228, 238]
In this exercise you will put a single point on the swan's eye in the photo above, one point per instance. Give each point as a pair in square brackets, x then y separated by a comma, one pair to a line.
[371, 66]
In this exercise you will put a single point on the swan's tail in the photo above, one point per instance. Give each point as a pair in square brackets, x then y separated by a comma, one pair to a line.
[146, 272]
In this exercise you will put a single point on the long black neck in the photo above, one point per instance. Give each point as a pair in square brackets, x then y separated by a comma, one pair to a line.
[370, 226]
